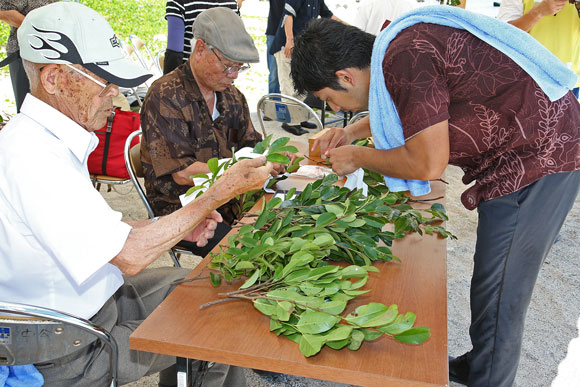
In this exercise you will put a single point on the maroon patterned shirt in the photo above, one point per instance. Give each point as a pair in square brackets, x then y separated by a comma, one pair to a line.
[503, 130]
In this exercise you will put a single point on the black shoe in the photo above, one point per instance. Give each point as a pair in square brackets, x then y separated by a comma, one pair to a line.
[308, 125]
[459, 369]
[294, 129]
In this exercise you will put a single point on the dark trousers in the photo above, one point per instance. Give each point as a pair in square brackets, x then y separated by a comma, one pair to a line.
[514, 235]
[121, 315]
[20, 83]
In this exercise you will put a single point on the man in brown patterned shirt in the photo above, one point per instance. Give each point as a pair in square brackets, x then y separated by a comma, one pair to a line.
[195, 113]
[460, 101]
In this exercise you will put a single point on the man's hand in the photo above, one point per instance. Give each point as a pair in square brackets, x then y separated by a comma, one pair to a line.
[335, 137]
[244, 176]
[288, 48]
[343, 160]
[205, 230]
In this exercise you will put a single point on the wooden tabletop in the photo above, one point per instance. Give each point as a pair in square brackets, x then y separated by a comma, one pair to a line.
[235, 333]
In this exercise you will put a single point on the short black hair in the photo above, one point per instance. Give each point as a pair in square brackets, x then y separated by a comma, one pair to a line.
[325, 47]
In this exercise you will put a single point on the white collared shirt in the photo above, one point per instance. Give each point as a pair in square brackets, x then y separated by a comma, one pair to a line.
[57, 233]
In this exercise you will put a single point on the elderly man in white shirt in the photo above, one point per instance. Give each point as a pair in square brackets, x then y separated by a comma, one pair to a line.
[65, 248]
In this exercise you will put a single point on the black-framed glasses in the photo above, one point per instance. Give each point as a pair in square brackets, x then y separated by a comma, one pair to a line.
[229, 69]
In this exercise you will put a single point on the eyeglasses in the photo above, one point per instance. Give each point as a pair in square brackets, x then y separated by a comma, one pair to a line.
[106, 86]
[229, 69]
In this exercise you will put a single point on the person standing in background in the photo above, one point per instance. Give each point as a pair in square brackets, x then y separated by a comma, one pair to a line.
[274, 20]
[13, 12]
[180, 15]
[554, 23]
[372, 14]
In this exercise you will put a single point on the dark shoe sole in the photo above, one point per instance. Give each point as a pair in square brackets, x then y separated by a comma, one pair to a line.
[308, 125]
[294, 129]
[458, 370]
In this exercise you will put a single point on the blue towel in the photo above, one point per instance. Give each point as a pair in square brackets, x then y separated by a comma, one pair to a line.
[553, 77]
[20, 376]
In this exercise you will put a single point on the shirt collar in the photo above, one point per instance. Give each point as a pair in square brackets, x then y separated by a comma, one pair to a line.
[80, 142]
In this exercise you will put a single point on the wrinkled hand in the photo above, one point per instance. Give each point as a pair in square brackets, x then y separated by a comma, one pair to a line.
[335, 137]
[343, 160]
[552, 7]
[281, 168]
[205, 230]
[243, 176]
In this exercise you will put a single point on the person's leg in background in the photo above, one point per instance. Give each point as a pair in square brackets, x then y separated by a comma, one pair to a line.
[273, 84]
[287, 88]
[20, 83]
[514, 235]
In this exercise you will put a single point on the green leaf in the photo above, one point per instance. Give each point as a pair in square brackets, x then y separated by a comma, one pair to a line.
[316, 322]
[356, 339]
[416, 335]
[262, 145]
[401, 324]
[284, 310]
[244, 265]
[274, 324]
[279, 143]
[267, 307]
[252, 279]
[354, 271]
[371, 335]
[356, 292]
[372, 315]
[338, 344]
[341, 332]
[193, 189]
[215, 279]
[325, 219]
[278, 158]
[310, 345]
[359, 284]
[335, 209]
[333, 306]
[212, 164]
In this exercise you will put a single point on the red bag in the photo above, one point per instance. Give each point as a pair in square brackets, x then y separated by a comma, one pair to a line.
[107, 158]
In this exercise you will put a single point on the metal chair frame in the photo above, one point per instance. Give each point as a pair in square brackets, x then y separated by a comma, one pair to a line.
[288, 101]
[37, 337]
[174, 252]
[358, 116]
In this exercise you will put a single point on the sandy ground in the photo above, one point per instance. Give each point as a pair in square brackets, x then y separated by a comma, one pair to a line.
[555, 307]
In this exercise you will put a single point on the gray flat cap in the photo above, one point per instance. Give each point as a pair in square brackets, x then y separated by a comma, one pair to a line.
[223, 29]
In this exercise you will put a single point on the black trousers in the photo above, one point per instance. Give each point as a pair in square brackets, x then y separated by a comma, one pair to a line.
[514, 235]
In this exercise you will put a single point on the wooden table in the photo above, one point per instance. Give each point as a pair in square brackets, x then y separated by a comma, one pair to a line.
[235, 333]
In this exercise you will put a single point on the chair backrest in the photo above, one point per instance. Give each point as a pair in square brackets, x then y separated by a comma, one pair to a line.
[159, 60]
[145, 57]
[284, 108]
[31, 334]
[135, 169]
[358, 116]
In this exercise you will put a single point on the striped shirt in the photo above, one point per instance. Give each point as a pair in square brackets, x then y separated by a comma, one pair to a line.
[188, 11]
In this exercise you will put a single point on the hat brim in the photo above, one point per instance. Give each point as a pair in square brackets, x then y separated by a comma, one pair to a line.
[122, 72]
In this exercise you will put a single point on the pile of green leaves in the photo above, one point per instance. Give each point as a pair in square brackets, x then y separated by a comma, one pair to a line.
[285, 254]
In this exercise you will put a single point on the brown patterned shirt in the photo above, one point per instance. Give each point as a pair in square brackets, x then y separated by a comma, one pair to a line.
[178, 130]
[503, 130]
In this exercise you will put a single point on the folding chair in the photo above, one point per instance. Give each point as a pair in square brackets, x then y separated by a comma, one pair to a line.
[358, 116]
[32, 335]
[145, 57]
[109, 180]
[159, 59]
[287, 109]
[135, 169]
